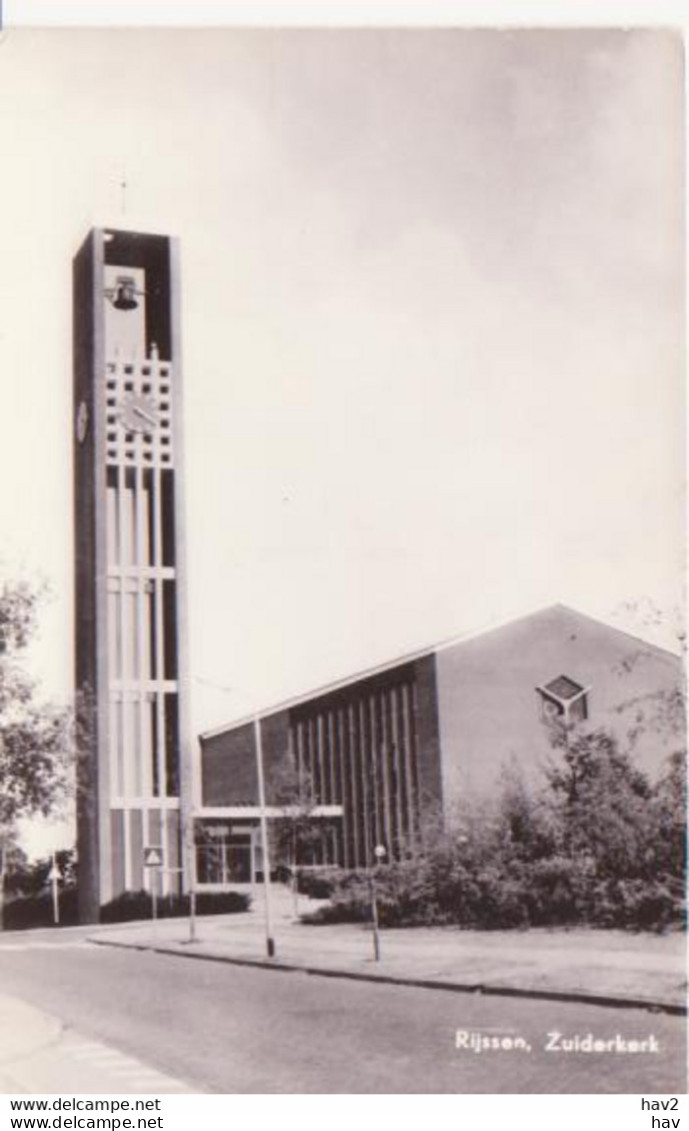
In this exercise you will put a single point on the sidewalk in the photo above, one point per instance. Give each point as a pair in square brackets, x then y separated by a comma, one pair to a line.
[23, 1032]
[38, 1056]
[608, 967]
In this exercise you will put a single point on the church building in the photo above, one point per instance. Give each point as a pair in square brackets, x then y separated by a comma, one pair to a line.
[428, 733]
[375, 752]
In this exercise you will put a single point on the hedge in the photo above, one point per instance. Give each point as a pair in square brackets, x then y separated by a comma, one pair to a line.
[24, 912]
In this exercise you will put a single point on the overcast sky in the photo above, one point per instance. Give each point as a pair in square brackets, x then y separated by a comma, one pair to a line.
[432, 328]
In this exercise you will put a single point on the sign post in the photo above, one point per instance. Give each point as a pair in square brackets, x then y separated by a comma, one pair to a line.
[55, 877]
[153, 860]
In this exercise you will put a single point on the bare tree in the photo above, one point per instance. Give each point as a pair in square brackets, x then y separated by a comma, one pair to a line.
[297, 830]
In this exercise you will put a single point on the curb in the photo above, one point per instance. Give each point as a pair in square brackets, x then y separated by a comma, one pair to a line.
[572, 996]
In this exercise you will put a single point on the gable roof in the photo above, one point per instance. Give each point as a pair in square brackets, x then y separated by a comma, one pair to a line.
[554, 612]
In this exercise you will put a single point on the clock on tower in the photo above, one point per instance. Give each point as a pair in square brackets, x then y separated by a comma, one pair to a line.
[129, 530]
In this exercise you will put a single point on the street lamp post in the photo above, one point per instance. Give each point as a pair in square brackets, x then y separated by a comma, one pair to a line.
[270, 941]
[379, 852]
[191, 865]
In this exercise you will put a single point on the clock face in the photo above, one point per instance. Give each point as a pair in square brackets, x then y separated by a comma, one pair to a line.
[138, 413]
[82, 422]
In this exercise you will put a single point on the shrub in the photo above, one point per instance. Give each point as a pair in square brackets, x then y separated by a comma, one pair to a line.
[138, 905]
[639, 905]
[559, 890]
[23, 912]
[669, 835]
[318, 882]
[407, 894]
[599, 845]
[350, 899]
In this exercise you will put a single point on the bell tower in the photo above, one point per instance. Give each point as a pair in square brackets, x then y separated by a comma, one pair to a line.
[131, 639]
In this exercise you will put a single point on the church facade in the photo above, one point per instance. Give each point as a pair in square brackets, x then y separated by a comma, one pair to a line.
[429, 733]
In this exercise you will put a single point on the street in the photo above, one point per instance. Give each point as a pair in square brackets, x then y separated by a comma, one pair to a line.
[222, 1028]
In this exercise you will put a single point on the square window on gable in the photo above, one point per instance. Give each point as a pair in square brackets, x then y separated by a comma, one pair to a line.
[563, 700]
[564, 688]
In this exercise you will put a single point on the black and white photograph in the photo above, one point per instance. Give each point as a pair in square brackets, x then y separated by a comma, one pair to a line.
[342, 561]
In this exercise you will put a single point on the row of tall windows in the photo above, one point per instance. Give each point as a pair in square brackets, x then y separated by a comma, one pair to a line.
[358, 749]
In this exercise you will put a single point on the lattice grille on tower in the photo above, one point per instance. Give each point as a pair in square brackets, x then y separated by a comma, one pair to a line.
[146, 447]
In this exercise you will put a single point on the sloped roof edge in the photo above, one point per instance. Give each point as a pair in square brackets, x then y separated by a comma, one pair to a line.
[420, 653]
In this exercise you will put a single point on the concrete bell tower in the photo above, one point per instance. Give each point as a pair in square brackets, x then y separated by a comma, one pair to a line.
[131, 638]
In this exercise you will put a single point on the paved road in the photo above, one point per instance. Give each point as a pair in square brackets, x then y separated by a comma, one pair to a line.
[223, 1028]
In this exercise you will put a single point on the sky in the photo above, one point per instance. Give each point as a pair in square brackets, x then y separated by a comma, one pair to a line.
[432, 320]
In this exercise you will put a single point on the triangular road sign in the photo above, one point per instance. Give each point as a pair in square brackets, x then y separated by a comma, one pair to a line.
[153, 857]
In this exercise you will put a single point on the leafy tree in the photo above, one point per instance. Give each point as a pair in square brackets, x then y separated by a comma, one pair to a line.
[31, 879]
[17, 866]
[602, 800]
[35, 737]
[529, 828]
[669, 845]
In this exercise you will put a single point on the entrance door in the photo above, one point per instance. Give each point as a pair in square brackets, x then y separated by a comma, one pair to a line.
[225, 859]
[238, 858]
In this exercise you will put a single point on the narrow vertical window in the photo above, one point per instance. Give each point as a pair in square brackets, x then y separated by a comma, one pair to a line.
[171, 746]
[128, 740]
[168, 517]
[147, 638]
[147, 747]
[114, 747]
[153, 635]
[146, 503]
[155, 762]
[128, 520]
[112, 518]
[137, 769]
[170, 629]
[114, 630]
[129, 632]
